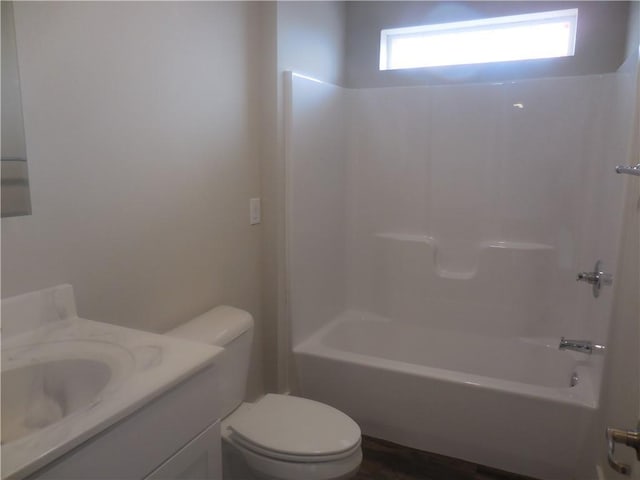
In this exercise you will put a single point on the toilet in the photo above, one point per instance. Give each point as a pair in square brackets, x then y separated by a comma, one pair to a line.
[278, 437]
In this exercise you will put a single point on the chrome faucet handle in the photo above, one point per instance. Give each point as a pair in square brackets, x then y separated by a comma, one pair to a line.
[593, 278]
[597, 278]
[630, 170]
[589, 277]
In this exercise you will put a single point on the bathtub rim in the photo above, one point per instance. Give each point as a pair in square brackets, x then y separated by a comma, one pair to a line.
[584, 394]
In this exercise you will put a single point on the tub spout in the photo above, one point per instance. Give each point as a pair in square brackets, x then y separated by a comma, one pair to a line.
[584, 346]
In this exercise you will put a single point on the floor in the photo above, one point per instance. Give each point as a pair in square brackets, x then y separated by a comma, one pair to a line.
[387, 461]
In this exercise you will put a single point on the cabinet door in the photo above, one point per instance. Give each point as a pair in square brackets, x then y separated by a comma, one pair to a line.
[200, 459]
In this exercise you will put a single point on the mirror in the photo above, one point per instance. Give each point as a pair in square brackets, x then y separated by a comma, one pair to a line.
[15, 195]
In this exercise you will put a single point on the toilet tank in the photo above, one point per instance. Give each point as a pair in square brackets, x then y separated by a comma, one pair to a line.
[231, 329]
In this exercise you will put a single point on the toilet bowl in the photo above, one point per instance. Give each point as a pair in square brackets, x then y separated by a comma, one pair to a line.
[278, 437]
[287, 437]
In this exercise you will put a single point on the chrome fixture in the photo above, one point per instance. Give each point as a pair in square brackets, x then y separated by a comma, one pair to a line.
[574, 379]
[597, 278]
[630, 438]
[583, 346]
[633, 170]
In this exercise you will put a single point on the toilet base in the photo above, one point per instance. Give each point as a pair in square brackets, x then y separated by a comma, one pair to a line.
[233, 465]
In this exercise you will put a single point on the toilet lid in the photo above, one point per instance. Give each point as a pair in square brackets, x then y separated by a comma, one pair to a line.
[296, 427]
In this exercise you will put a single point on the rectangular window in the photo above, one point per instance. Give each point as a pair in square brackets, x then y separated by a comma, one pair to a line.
[500, 39]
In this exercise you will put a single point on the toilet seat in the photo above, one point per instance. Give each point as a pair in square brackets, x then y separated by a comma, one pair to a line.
[273, 469]
[293, 458]
[294, 429]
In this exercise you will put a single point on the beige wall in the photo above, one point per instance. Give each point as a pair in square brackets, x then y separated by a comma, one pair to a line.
[149, 126]
[309, 38]
[141, 122]
[272, 285]
[600, 41]
[621, 389]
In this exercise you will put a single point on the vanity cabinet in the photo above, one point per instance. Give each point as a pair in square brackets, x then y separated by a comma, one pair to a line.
[175, 436]
[199, 459]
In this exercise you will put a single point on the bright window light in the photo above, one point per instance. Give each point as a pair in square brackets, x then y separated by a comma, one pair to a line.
[500, 39]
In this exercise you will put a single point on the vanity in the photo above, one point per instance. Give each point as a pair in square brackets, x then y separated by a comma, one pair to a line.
[88, 400]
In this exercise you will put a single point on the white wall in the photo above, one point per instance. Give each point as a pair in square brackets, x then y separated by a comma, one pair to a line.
[306, 37]
[469, 207]
[140, 121]
[317, 214]
[469, 212]
[621, 388]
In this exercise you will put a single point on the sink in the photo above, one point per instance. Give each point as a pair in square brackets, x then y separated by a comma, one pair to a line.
[66, 380]
[44, 383]
[54, 389]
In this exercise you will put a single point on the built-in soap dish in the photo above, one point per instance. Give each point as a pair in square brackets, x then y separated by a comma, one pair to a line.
[450, 275]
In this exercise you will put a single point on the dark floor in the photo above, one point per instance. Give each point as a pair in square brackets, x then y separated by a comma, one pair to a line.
[387, 461]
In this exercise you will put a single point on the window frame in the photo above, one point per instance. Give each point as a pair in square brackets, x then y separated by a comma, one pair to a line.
[493, 23]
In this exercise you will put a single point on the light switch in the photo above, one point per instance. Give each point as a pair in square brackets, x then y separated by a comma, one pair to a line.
[254, 211]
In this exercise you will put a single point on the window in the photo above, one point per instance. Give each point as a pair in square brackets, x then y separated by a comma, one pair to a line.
[500, 39]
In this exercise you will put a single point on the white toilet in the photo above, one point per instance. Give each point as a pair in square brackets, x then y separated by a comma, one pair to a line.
[279, 437]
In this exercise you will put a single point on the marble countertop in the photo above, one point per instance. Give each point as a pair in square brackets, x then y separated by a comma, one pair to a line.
[142, 366]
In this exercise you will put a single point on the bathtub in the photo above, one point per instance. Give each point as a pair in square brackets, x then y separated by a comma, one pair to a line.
[509, 403]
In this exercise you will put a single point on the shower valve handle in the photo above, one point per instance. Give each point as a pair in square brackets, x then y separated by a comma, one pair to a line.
[597, 278]
[594, 278]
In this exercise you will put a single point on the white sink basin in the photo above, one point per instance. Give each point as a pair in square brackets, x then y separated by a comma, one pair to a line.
[66, 379]
[46, 382]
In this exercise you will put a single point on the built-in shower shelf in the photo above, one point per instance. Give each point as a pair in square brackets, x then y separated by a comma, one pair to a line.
[517, 245]
[453, 268]
[408, 237]
[428, 239]
[453, 275]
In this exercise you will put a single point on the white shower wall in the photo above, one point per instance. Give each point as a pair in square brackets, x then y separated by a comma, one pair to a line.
[465, 207]
[316, 202]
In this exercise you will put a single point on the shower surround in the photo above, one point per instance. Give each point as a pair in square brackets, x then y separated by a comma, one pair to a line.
[434, 237]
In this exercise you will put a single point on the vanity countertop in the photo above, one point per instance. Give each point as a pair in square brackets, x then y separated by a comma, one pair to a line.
[142, 366]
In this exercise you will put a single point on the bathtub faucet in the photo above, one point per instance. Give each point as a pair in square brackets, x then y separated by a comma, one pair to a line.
[583, 346]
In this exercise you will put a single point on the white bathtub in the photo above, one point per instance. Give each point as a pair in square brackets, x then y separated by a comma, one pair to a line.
[502, 402]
